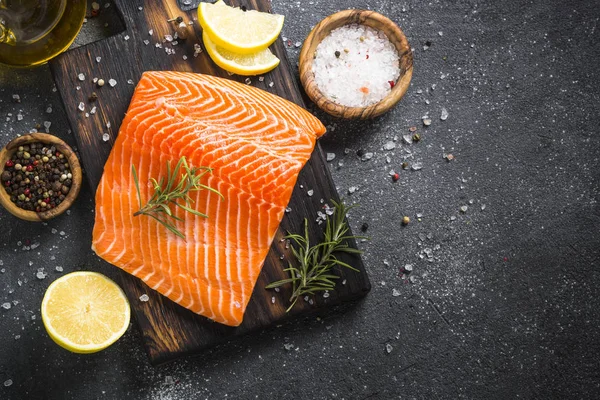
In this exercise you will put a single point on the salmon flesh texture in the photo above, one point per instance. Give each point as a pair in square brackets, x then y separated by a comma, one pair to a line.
[256, 144]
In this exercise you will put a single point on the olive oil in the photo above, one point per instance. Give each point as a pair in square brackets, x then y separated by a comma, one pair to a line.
[34, 31]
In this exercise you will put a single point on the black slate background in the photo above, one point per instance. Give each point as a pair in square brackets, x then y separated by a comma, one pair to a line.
[504, 299]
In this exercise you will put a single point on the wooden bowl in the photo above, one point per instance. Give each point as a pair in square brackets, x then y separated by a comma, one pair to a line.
[375, 21]
[61, 146]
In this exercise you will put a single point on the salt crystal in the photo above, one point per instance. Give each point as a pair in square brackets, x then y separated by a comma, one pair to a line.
[81, 77]
[407, 138]
[58, 268]
[8, 382]
[144, 298]
[272, 299]
[417, 166]
[389, 145]
[126, 37]
[112, 82]
[248, 81]
[19, 117]
[47, 125]
[81, 106]
[95, 80]
[158, 45]
[184, 57]
[140, 8]
[298, 44]
[310, 192]
[6, 306]
[41, 274]
[168, 38]
[392, 172]
[354, 65]
[16, 98]
[330, 156]
[326, 294]
[35, 245]
[261, 78]
[62, 233]
[49, 110]
[288, 346]
[482, 208]
[77, 87]
[453, 218]
[146, 42]
[463, 209]
[197, 49]
[389, 348]
[98, 59]
[395, 292]
[106, 137]
[271, 84]
[444, 115]
[441, 33]
[367, 156]
[93, 110]
[352, 189]
[426, 121]
[151, 32]
[407, 268]
[130, 81]
[288, 209]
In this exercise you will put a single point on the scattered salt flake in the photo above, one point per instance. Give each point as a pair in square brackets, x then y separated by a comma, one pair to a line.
[77, 87]
[130, 81]
[271, 84]
[146, 42]
[482, 208]
[426, 121]
[184, 57]
[151, 32]
[16, 98]
[197, 49]
[49, 110]
[367, 156]
[81, 106]
[19, 117]
[463, 209]
[326, 294]
[408, 268]
[126, 37]
[169, 38]
[272, 299]
[58, 268]
[344, 282]
[106, 137]
[389, 348]
[395, 292]
[47, 125]
[41, 274]
[407, 138]
[389, 145]
[297, 44]
[261, 78]
[310, 192]
[81, 77]
[8, 382]
[6, 306]
[158, 45]
[35, 245]
[144, 298]
[112, 82]
[98, 59]
[330, 156]
[288, 346]
[248, 81]
[453, 218]
[93, 110]
[352, 189]
[416, 166]
[288, 209]
[444, 115]
[62, 233]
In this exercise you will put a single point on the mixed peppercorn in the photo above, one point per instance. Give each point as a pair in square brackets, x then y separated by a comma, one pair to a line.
[37, 177]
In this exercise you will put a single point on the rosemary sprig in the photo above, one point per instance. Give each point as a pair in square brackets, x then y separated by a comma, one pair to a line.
[174, 188]
[314, 272]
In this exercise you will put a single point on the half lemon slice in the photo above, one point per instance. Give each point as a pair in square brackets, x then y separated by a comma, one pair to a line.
[241, 64]
[242, 32]
[85, 312]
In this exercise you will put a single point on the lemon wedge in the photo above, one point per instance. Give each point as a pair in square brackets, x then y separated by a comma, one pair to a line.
[241, 64]
[85, 312]
[242, 32]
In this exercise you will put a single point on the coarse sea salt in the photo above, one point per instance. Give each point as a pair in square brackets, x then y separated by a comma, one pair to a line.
[356, 65]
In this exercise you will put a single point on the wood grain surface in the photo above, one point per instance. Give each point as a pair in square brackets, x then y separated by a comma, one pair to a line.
[170, 331]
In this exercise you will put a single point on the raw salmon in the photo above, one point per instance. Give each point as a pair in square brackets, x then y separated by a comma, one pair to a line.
[256, 144]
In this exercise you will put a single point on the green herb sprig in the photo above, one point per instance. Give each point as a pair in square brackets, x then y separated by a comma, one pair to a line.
[314, 272]
[173, 189]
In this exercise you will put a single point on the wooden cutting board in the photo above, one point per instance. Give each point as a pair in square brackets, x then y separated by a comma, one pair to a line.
[170, 331]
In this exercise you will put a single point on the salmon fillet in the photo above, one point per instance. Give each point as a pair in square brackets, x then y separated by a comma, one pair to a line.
[256, 144]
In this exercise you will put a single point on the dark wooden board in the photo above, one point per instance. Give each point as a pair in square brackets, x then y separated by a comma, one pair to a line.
[168, 330]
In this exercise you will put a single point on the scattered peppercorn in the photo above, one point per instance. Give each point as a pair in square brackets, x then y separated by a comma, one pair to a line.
[93, 97]
[337, 54]
[100, 82]
[32, 177]
[364, 227]
[412, 129]
[395, 177]
[416, 137]
[404, 165]
[449, 157]
[360, 152]
[405, 220]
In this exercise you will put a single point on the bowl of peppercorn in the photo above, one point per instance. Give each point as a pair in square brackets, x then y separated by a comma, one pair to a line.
[40, 178]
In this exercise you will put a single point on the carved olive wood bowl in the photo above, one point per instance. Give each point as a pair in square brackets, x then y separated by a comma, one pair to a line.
[375, 21]
[7, 152]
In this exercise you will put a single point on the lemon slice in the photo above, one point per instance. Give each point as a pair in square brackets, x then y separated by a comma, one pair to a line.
[241, 64]
[242, 32]
[85, 312]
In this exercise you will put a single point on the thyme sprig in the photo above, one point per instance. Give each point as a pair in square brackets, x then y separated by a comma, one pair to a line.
[314, 272]
[173, 189]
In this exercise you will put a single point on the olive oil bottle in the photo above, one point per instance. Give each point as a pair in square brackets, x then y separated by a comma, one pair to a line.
[34, 31]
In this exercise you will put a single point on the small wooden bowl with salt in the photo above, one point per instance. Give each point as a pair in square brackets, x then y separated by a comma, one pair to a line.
[365, 102]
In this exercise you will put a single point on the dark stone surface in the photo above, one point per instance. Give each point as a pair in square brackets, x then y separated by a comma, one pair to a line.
[504, 302]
